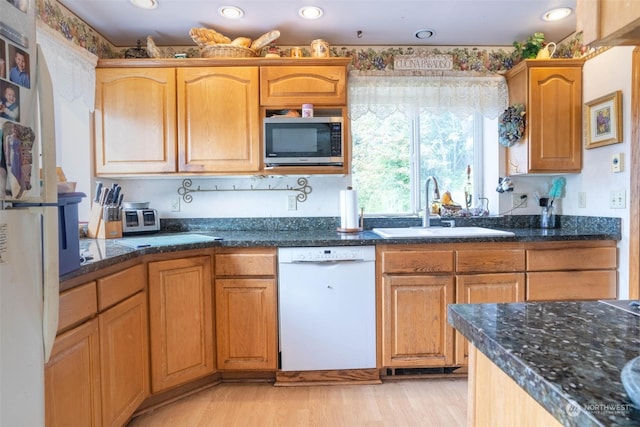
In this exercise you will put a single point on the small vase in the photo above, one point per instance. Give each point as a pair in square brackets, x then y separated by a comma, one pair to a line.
[547, 217]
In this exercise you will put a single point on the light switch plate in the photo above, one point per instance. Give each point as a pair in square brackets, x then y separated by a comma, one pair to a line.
[617, 162]
[617, 200]
[582, 199]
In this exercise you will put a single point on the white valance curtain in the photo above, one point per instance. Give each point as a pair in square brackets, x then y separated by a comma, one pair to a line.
[72, 68]
[386, 92]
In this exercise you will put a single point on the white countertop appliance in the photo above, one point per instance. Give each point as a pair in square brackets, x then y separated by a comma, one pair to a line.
[138, 218]
[327, 318]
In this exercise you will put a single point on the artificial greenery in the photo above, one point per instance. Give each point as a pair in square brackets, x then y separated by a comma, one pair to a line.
[530, 47]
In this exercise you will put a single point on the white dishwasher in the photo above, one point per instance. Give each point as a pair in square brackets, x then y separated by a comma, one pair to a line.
[327, 308]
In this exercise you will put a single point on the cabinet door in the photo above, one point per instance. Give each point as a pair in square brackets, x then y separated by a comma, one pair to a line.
[135, 119]
[180, 321]
[554, 115]
[414, 321]
[318, 85]
[218, 119]
[72, 379]
[246, 334]
[485, 288]
[125, 359]
[551, 91]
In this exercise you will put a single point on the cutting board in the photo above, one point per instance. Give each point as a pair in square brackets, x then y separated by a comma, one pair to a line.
[166, 240]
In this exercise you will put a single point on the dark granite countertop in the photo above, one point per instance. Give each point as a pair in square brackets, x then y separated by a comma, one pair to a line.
[567, 355]
[282, 232]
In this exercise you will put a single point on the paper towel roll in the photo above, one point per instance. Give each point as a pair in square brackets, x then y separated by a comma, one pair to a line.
[349, 209]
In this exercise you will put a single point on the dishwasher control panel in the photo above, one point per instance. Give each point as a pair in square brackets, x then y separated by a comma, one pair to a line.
[327, 254]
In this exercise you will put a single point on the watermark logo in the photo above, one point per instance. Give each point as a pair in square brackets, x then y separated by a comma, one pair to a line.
[573, 409]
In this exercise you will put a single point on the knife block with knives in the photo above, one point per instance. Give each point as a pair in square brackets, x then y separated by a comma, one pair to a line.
[105, 220]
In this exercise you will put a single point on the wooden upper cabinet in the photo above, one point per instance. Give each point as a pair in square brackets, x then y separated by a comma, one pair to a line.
[551, 91]
[218, 119]
[294, 85]
[135, 120]
[609, 22]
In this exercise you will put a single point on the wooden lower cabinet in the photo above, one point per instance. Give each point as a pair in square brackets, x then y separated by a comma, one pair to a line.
[98, 372]
[180, 320]
[415, 330]
[497, 400]
[572, 271]
[72, 379]
[246, 309]
[246, 319]
[485, 288]
[124, 353]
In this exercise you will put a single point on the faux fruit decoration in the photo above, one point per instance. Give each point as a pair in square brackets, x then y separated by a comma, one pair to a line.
[448, 203]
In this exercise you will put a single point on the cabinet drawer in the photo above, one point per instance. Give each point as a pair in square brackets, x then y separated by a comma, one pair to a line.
[76, 305]
[116, 287]
[574, 285]
[246, 263]
[417, 261]
[571, 259]
[319, 85]
[490, 261]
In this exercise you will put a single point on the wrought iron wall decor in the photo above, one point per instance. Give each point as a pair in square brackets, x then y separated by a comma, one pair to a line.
[303, 189]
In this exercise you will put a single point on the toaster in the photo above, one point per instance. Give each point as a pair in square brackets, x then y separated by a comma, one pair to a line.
[136, 221]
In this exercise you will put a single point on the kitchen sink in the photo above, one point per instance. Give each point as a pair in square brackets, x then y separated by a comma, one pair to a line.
[439, 232]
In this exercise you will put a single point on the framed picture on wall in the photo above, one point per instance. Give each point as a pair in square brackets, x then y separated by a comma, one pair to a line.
[603, 120]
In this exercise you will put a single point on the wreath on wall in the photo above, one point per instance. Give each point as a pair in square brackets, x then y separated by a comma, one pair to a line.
[511, 125]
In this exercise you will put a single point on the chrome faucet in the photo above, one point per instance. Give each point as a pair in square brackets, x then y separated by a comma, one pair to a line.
[427, 208]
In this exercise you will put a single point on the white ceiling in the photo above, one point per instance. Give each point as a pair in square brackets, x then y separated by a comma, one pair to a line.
[382, 22]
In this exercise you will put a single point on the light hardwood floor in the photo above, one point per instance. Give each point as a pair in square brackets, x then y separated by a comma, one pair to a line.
[415, 402]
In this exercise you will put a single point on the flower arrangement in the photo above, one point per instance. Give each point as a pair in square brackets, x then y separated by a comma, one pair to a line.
[530, 47]
[511, 125]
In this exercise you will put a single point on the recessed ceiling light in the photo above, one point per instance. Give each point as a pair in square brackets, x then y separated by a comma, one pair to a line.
[145, 4]
[231, 12]
[424, 34]
[557, 14]
[310, 12]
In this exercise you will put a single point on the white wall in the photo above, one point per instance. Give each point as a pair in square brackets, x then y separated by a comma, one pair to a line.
[608, 72]
[73, 147]
[323, 200]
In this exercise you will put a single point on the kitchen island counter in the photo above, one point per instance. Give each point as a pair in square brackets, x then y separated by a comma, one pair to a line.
[567, 356]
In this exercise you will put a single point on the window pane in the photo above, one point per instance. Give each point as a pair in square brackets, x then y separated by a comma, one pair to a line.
[382, 159]
[446, 149]
[381, 163]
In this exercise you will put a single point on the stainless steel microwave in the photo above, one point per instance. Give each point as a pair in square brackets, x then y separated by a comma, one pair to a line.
[297, 141]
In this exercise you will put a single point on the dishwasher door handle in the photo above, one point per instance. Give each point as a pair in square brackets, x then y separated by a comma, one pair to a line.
[328, 261]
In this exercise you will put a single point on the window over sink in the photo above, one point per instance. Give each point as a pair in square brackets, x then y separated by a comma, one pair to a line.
[392, 157]
[409, 126]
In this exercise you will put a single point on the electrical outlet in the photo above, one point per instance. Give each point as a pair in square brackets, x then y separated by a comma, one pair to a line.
[292, 202]
[175, 204]
[617, 200]
[518, 200]
[582, 199]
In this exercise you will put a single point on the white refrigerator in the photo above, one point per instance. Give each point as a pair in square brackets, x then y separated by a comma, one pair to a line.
[28, 236]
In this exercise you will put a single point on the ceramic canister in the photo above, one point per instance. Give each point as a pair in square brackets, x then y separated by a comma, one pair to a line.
[319, 49]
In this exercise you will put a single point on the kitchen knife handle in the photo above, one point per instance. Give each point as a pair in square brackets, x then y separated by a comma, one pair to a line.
[98, 191]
